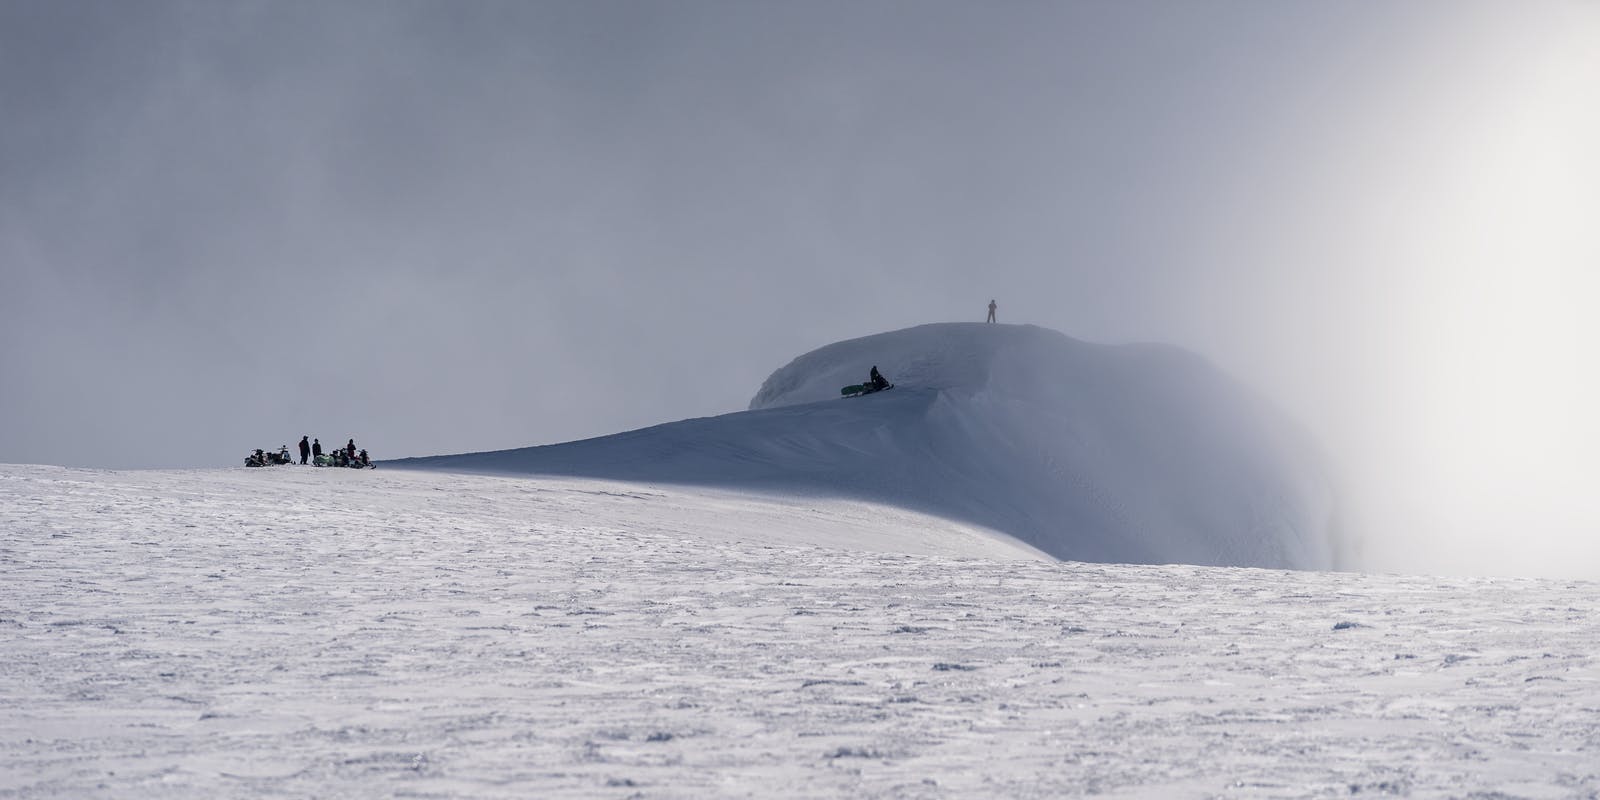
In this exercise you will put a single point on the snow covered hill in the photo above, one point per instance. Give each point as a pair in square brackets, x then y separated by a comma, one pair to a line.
[1126, 454]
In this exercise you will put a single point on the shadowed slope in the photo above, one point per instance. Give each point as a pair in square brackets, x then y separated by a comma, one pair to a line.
[1139, 454]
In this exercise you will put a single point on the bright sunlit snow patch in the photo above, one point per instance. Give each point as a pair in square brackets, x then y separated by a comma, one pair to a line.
[294, 632]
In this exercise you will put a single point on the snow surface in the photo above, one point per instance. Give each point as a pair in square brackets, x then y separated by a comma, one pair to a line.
[1117, 454]
[300, 632]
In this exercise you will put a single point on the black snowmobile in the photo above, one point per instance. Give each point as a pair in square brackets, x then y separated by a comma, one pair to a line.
[876, 383]
[264, 459]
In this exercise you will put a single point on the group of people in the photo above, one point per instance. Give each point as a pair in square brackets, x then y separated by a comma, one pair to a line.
[311, 452]
[346, 456]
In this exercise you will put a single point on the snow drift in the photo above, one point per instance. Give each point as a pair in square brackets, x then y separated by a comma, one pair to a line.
[1128, 454]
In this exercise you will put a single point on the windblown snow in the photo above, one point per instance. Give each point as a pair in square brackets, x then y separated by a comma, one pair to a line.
[1116, 454]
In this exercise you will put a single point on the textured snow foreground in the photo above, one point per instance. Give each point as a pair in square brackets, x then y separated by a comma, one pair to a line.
[295, 632]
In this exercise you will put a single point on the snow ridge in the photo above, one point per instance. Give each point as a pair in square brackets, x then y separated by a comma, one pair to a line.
[1119, 454]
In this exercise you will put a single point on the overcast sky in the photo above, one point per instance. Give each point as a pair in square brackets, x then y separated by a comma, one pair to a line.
[456, 226]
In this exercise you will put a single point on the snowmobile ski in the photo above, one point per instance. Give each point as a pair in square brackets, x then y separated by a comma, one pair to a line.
[859, 389]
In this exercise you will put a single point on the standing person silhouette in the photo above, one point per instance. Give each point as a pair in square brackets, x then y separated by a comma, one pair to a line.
[992, 307]
[305, 449]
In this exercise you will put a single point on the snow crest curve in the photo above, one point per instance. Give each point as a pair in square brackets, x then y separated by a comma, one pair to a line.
[1124, 454]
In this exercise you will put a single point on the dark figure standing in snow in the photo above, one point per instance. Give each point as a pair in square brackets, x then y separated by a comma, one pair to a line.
[992, 307]
[305, 450]
[350, 450]
[316, 448]
[877, 381]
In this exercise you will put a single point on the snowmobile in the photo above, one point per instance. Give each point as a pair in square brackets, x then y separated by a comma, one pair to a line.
[339, 458]
[875, 383]
[860, 389]
[263, 459]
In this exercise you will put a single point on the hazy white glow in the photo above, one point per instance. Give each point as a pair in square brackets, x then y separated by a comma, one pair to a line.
[1476, 447]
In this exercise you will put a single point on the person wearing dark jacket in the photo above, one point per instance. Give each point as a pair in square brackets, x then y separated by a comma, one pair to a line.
[350, 450]
[878, 381]
[305, 449]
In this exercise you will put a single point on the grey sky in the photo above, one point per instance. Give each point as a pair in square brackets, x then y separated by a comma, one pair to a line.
[454, 226]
